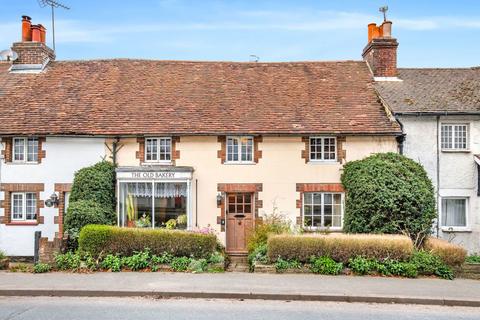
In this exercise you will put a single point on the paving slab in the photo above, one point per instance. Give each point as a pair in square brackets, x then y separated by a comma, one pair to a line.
[459, 292]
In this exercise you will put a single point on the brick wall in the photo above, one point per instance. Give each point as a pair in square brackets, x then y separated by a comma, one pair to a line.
[47, 249]
[381, 56]
[61, 188]
[32, 52]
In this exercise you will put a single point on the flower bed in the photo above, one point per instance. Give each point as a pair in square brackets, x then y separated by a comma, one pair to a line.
[101, 240]
[385, 255]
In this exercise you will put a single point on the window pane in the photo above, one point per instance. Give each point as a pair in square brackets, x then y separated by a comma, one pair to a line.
[317, 221]
[317, 210]
[327, 198]
[165, 149]
[308, 221]
[317, 198]
[32, 149]
[307, 210]
[454, 213]
[327, 221]
[17, 206]
[152, 150]
[446, 137]
[19, 149]
[337, 221]
[308, 198]
[460, 137]
[31, 206]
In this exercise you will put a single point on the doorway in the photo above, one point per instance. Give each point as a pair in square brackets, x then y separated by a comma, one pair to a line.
[239, 213]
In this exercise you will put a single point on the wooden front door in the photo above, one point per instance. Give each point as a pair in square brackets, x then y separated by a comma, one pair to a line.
[239, 211]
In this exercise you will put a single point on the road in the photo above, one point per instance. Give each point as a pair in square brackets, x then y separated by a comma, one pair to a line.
[50, 308]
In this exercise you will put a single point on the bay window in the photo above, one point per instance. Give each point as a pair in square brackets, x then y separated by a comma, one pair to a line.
[322, 209]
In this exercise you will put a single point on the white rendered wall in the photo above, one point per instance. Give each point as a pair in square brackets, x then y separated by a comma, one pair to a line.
[458, 170]
[64, 156]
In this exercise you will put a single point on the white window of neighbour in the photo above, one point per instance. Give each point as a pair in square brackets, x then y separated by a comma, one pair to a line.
[323, 149]
[25, 150]
[322, 210]
[454, 212]
[240, 149]
[158, 149]
[24, 206]
[454, 136]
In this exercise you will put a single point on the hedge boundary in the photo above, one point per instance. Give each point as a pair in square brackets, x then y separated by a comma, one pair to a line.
[100, 240]
[340, 247]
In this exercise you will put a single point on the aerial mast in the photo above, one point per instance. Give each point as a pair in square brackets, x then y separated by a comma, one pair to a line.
[53, 4]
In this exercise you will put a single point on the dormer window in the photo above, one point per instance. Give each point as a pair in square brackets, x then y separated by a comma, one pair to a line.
[158, 149]
[25, 150]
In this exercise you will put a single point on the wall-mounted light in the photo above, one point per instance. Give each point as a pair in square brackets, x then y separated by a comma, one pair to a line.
[219, 198]
[52, 201]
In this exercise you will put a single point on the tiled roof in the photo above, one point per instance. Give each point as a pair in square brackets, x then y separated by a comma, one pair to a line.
[433, 90]
[122, 97]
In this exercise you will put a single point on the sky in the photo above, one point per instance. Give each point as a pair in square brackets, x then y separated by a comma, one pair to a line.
[440, 33]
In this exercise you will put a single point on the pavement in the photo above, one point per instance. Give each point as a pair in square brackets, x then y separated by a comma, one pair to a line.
[108, 308]
[291, 287]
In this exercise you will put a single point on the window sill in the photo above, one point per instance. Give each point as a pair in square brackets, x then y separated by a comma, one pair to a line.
[322, 162]
[22, 163]
[455, 229]
[240, 163]
[157, 163]
[322, 230]
[456, 150]
[22, 223]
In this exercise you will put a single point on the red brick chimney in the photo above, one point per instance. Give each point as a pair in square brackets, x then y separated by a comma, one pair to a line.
[32, 50]
[381, 51]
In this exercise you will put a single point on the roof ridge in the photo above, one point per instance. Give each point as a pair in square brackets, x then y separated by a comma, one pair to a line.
[208, 61]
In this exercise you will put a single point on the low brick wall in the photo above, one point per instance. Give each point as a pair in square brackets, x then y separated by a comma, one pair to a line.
[468, 271]
[47, 249]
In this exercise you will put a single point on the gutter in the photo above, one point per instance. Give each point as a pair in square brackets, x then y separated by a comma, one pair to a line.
[439, 113]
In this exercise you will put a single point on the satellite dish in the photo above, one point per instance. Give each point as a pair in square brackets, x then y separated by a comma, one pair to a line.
[8, 55]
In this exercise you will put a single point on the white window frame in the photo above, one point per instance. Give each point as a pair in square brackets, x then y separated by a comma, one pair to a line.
[239, 152]
[452, 128]
[158, 153]
[25, 150]
[321, 148]
[454, 228]
[24, 206]
[342, 208]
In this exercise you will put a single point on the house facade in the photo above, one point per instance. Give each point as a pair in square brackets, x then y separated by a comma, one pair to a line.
[198, 144]
[439, 111]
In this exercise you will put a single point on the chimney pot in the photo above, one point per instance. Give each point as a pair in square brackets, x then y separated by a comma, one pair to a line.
[371, 27]
[387, 29]
[36, 33]
[26, 29]
[42, 33]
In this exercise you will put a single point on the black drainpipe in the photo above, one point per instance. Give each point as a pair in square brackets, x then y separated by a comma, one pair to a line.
[400, 138]
[114, 150]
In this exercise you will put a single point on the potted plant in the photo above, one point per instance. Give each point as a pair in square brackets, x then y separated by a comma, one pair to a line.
[131, 212]
[143, 222]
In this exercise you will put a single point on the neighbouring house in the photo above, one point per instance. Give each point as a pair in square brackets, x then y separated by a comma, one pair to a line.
[439, 111]
[210, 144]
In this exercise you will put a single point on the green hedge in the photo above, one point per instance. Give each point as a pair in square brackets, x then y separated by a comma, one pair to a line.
[340, 247]
[102, 240]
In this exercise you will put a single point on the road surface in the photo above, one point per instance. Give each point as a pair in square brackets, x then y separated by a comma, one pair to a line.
[49, 308]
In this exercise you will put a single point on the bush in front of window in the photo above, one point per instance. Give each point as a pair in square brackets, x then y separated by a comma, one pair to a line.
[451, 254]
[102, 240]
[388, 193]
[339, 247]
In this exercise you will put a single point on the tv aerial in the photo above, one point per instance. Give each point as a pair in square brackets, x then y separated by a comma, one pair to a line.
[384, 10]
[53, 4]
[8, 55]
[254, 58]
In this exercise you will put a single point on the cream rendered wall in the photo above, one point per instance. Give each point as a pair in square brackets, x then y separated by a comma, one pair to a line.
[279, 170]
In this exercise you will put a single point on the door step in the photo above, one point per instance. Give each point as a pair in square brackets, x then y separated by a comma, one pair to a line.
[238, 263]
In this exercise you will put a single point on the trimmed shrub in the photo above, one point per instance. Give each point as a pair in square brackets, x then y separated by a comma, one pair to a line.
[340, 247]
[95, 183]
[101, 240]
[451, 254]
[273, 223]
[325, 265]
[388, 193]
[83, 212]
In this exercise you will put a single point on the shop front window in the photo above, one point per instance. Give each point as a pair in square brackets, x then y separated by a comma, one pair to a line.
[153, 204]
